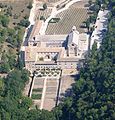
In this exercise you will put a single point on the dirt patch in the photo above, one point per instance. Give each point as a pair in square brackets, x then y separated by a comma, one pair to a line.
[19, 10]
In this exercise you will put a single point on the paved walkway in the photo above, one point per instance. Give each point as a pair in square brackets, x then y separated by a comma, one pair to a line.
[43, 94]
[100, 28]
[65, 86]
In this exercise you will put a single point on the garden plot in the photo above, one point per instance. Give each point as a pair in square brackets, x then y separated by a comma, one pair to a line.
[68, 18]
[51, 93]
[39, 82]
[37, 90]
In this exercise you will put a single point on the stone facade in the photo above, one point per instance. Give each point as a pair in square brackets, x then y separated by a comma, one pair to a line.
[56, 51]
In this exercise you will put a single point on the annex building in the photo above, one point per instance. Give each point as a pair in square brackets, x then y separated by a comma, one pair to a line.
[66, 51]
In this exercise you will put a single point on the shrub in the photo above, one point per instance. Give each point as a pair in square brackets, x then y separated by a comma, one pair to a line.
[4, 20]
[29, 6]
[42, 18]
[24, 23]
[36, 96]
[37, 90]
[41, 59]
[44, 6]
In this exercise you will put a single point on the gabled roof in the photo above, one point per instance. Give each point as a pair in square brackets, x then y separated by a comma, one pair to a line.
[35, 30]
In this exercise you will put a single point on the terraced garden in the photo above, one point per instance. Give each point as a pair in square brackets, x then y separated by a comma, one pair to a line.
[51, 93]
[37, 91]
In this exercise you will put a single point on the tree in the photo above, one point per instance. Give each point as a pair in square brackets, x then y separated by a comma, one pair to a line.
[1, 85]
[9, 11]
[42, 18]
[34, 114]
[113, 10]
[30, 5]
[46, 115]
[90, 2]
[92, 19]
[26, 103]
[20, 64]
[2, 39]
[87, 24]
[96, 8]
[24, 23]
[44, 6]
[4, 20]
[25, 75]
[4, 67]
[12, 61]
[103, 6]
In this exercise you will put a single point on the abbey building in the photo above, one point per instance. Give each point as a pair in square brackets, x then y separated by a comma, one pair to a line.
[66, 51]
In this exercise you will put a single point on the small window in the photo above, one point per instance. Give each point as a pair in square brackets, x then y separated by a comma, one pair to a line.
[72, 44]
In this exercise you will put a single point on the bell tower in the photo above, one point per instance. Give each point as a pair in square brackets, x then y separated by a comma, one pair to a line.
[73, 38]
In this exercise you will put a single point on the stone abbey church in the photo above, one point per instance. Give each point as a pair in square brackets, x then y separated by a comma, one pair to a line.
[64, 51]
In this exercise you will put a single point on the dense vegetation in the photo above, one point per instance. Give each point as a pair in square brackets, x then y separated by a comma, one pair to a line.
[93, 93]
[13, 105]
[10, 38]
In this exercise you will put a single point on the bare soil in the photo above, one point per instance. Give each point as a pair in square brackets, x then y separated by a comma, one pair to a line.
[19, 10]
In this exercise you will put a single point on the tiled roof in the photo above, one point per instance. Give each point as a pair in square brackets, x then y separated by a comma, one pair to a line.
[31, 52]
[50, 37]
[36, 29]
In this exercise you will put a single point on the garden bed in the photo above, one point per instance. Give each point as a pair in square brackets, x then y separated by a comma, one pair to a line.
[36, 96]
[37, 90]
